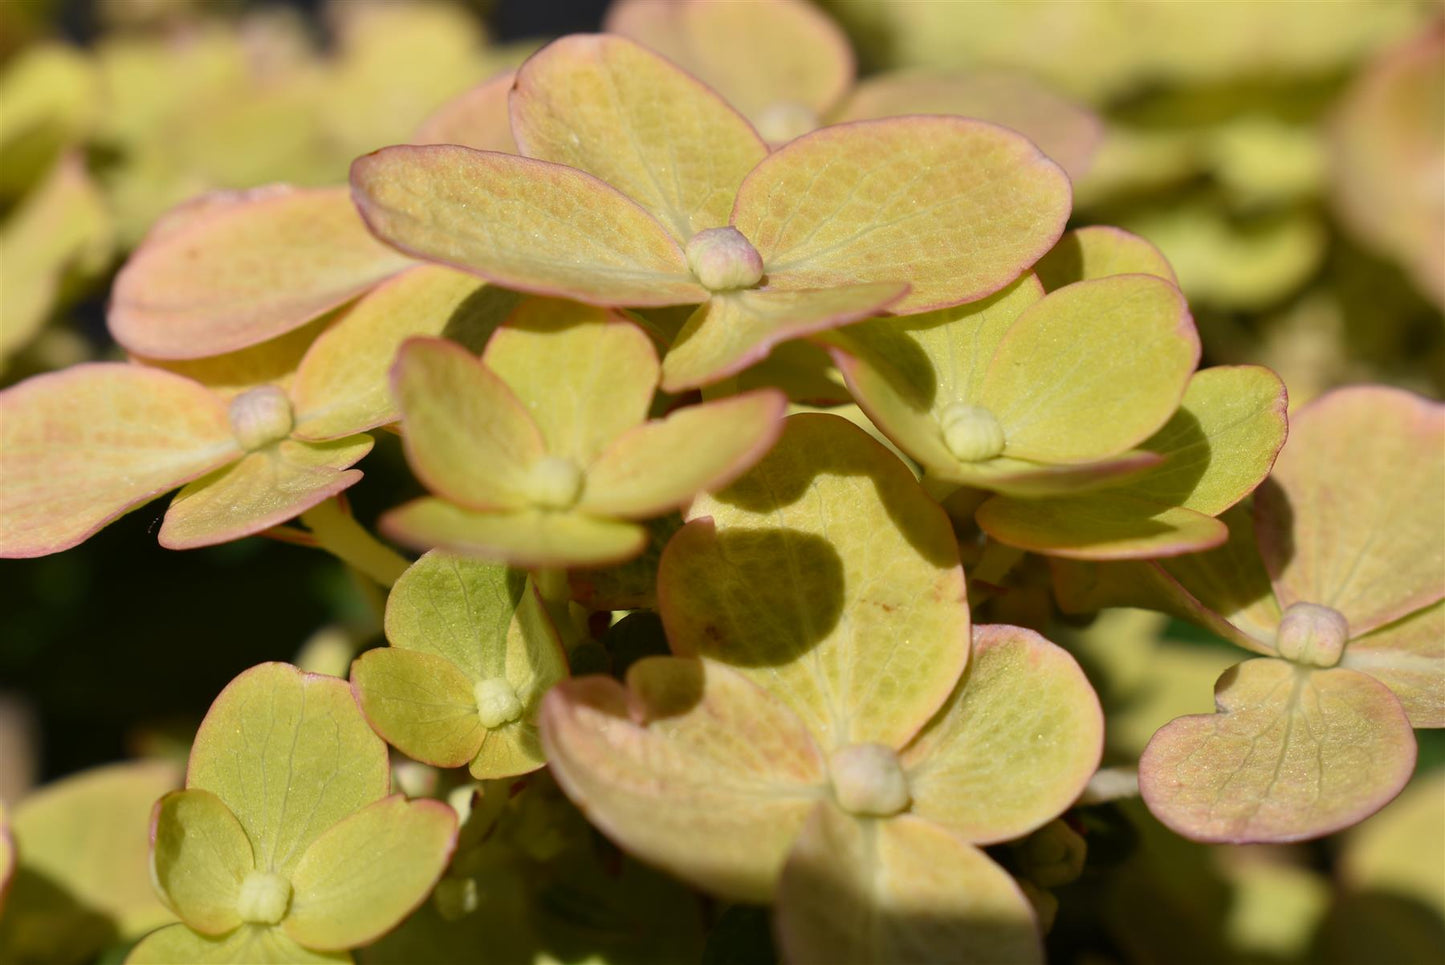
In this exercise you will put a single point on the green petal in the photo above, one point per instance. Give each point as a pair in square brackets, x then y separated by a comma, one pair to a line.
[263, 489]
[1360, 462]
[1091, 370]
[605, 105]
[341, 386]
[1015, 744]
[467, 436]
[840, 206]
[738, 328]
[1100, 526]
[290, 755]
[272, 362]
[640, 476]
[1408, 656]
[477, 118]
[799, 62]
[1098, 252]
[365, 874]
[826, 575]
[1293, 753]
[236, 269]
[693, 768]
[247, 945]
[528, 537]
[419, 703]
[858, 892]
[87, 444]
[522, 223]
[584, 375]
[199, 858]
[1064, 130]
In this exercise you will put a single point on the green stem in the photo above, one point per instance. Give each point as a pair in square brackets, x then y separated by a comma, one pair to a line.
[337, 532]
[556, 593]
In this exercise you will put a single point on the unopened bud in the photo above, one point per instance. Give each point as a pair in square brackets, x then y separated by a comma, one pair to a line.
[1312, 634]
[868, 780]
[721, 259]
[971, 432]
[265, 898]
[782, 121]
[556, 483]
[260, 416]
[1053, 855]
[497, 703]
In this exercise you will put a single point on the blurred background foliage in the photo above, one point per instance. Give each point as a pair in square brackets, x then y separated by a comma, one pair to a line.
[1289, 158]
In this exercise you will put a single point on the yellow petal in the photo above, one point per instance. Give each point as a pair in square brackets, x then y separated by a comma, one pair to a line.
[477, 118]
[1098, 252]
[528, 537]
[1408, 656]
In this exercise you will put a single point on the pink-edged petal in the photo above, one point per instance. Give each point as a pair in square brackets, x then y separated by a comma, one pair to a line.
[692, 768]
[522, 223]
[1408, 656]
[608, 106]
[734, 329]
[1099, 251]
[585, 375]
[247, 945]
[80, 447]
[525, 537]
[955, 208]
[1293, 752]
[420, 703]
[901, 890]
[200, 856]
[641, 476]
[1064, 130]
[798, 62]
[263, 489]
[477, 118]
[245, 267]
[1100, 526]
[1352, 515]
[342, 385]
[367, 872]
[467, 436]
[1014, 746]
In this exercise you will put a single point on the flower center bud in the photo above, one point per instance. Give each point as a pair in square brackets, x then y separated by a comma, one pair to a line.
[868, 780]
[971, 432]
[497, 703]
[721, 259]
[260, 416]
[264, 899]
[782, 121]
[556, 483]
[1312, 634]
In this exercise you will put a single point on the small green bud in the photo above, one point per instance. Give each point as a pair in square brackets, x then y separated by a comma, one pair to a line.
[782, 121]
[721, 259]
[556, 483]
[1053, 855]
[260, 416]
[971, 432]
[497, 703]
[456, 898]
[868, 780]
[265, 898]
[1312, 634]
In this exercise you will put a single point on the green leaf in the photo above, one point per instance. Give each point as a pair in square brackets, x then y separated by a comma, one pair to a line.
[290, 755]
[799, 62]
[236, 269]
[1064, 130]
[1098, 252]
[247, 945]
[639, 475]
[584, 375]
[856, 892]
[607, 106]
[361, 877]
[826, 575]
[1360, 462]
[522, 223]
[693, 768]
[1408, 656]
[199, 859]
[736, 329]
[527, 537]
[341, 386]
[467, 435]
[1014, 746]
[87, 444]
[265, 488]
[840, 207]
[1293, 753]
[477, 118]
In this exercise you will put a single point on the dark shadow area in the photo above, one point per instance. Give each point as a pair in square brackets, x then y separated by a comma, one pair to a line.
[43, 922]
[1273, 525]
[478, 316]
[1376, 926]
[1174, 480]
[723, 591]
